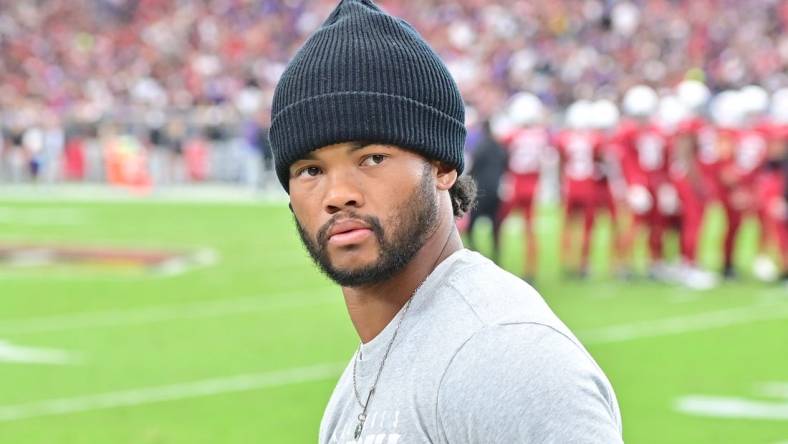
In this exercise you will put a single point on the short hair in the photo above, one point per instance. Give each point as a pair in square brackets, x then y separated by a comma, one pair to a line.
[463, 195]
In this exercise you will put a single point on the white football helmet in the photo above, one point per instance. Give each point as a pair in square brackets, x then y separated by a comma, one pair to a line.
[727, 109]
[754, 99]
[671, 112]
[501, 125]
[525, 109]
[693, 94]
[779, 107]
[604, 114]
[579, 115]
[640, 101]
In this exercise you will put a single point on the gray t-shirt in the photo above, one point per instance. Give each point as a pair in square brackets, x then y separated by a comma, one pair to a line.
[479, 358]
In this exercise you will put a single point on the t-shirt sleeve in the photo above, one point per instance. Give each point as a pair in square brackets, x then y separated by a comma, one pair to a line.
[526, 383]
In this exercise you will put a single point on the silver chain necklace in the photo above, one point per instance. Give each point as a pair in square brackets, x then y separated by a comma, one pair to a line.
[365, 405]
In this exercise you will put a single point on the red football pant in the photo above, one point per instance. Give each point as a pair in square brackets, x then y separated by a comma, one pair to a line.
[575, 208]
[524, 202]
[692, 210]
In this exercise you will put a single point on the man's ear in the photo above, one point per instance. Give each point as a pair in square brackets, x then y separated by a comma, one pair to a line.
[446, 175]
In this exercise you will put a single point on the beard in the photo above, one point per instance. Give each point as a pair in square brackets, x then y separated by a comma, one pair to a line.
[414, 223]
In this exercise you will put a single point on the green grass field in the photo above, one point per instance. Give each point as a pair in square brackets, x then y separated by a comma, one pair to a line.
[247, 350]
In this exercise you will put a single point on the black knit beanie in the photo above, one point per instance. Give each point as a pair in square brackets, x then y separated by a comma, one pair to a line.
[366, 76]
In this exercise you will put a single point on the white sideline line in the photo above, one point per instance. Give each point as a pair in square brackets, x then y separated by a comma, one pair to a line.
[36, 355]
[731, 407]
[149, 395]
[197, 310]
[684, 324]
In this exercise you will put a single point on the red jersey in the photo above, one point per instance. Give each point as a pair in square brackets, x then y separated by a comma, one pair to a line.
[749, 155]
[685, 136]
[776, 139]
[526, 147]
[779, 132]
[579, 149]
[643, 153]
[707, 139]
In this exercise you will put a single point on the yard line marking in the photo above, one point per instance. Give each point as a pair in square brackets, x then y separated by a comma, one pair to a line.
[731, 407]
[684, 324]
[149, 395]
[147, 315]
[35, 355]
[199, 259]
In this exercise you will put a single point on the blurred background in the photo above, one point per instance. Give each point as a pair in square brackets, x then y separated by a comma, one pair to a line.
[631, 160]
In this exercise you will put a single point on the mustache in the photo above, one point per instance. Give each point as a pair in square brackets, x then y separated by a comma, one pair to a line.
[372, 221]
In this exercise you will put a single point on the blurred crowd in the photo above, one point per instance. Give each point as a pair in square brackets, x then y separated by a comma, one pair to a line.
[160, 91]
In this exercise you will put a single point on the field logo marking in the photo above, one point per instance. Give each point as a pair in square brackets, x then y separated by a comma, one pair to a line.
[738, 407]
[30, 355]
[150, 395]
[202, 258]
[158, 262]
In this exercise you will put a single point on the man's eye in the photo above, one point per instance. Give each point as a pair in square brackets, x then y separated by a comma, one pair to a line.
[374, 159]
[309, 171]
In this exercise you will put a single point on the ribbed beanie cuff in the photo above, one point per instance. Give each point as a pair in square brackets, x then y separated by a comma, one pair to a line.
[366, 76]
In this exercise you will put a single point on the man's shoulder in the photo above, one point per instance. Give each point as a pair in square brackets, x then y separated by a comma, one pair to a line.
[493, 295]
[505, 316]
[530, 381]
[532, 345]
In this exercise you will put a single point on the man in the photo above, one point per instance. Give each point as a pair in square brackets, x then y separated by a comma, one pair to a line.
[367, 133]
[609, 185]
[643, 152]
[527, 143]
[758, 165]
[693, 142]
[578, 146]
[733, 168]
[489, 164]
[777, 203]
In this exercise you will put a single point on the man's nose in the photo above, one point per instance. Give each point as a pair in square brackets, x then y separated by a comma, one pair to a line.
[344, 192]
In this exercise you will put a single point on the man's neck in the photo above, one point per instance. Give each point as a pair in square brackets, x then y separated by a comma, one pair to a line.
[371, 308]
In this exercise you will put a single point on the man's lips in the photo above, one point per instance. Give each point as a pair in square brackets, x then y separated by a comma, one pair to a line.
[348, 232]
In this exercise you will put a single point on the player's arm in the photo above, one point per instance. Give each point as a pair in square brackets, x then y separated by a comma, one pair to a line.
[525, 383]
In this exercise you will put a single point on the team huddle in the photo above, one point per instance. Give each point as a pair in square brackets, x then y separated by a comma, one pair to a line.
[655, 169]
